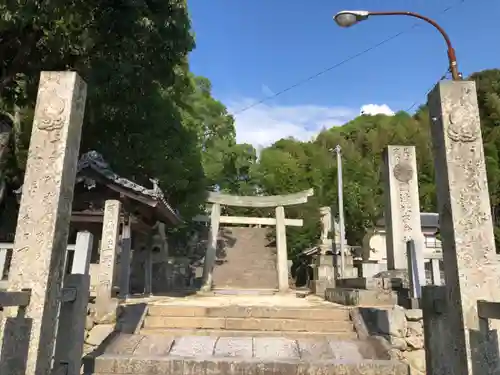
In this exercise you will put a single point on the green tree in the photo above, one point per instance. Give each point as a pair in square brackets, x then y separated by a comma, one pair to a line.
[133, 56]
[290, 165]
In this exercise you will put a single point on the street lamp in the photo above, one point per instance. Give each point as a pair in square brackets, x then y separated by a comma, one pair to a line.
[348, 18]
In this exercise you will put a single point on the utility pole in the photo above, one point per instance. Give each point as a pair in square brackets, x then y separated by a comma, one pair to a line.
[338, 150]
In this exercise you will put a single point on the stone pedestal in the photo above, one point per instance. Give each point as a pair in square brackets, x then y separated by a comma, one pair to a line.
[471, 265]
[370, 269]
[349, 269]
[324, 274]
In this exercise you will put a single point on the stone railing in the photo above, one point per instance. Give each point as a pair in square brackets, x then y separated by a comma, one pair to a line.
[6, 251]
[71, 319]
[416, 276]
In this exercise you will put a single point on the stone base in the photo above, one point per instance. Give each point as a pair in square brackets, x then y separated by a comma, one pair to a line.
[382, 283]
[348, 260]
[401, 275]
[358, 297]
[411, 303]
[350, 272]
[370, 269]
[319, 287]
[324, 275]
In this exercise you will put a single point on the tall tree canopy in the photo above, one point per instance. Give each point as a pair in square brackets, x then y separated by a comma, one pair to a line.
[146, 113]
[151, 117]
[290, 165]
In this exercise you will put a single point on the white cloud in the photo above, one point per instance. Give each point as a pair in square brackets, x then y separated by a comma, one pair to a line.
[376, 109]
[264, 124]
[266, 90]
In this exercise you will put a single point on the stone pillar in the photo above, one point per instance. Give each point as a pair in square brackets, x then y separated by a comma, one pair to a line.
[281, 250]
[208, 265]
[402, 207]
[148, 266]
[126, 256]
[43, 224]
[73, 313]
[3, 259]
[164, 241]
[471, 265]
[326, 239]
[324, 272]
[105, 299]
[436, 312]
[83, 251]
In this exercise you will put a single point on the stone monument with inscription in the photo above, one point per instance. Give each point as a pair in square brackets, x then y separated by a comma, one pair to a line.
[43, 224]
[106, 298]
[402, 207]
[455, 331]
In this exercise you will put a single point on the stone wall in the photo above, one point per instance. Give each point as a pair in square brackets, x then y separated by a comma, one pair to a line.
[97, 330]
[398, 330]
[126, 318]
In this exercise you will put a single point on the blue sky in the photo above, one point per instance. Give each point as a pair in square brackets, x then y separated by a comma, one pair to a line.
[251, 49]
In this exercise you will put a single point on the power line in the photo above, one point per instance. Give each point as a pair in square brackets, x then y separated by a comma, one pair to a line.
[346, 60]
[428, 91]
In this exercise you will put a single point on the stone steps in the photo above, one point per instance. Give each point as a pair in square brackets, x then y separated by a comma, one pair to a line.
[194, 355]
[254, 318]
[179, 332]
[222, 336]
[232, 311]
[247, 261]
[247, 324]
[243, 292]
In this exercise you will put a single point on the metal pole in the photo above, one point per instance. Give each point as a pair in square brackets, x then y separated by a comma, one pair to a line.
[452, 59]
[341, 209]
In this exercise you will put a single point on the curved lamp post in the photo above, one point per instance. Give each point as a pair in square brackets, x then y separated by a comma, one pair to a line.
[348, 18]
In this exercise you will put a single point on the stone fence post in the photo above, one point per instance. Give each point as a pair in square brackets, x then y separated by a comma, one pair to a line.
[75, 298]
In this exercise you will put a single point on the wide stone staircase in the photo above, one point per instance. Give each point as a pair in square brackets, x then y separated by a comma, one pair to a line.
[246, 261]
[242, 335]
[249, 321]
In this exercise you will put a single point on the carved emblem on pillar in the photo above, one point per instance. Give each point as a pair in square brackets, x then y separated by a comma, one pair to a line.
[403, 172]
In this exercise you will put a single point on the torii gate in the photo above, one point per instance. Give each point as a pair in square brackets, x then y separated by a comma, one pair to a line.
[277, 201]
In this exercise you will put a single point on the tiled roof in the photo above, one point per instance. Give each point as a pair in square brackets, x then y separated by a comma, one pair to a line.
[93, 160]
